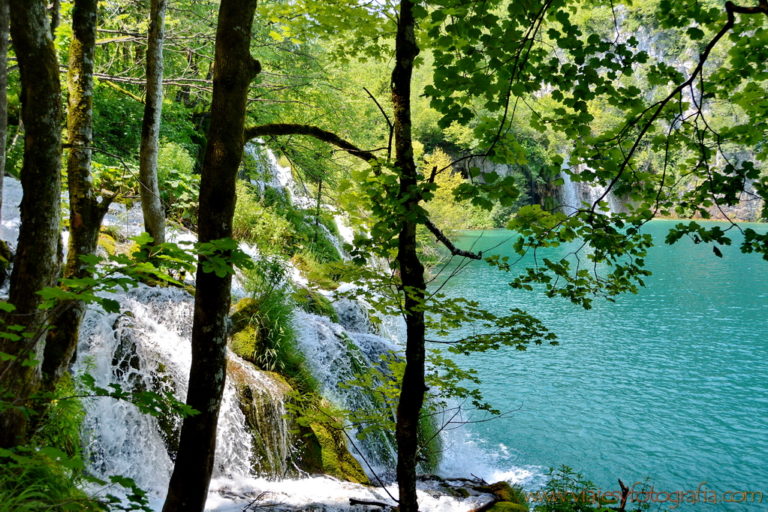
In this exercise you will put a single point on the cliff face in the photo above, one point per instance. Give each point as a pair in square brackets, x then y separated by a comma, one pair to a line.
[749, 209]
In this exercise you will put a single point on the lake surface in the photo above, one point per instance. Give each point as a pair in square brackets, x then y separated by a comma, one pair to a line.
[670, 384]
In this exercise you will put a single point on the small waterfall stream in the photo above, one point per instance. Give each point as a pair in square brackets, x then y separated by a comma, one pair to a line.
[146, 347]
[575, 195]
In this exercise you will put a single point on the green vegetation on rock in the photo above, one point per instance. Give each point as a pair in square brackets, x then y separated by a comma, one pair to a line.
[316, 303]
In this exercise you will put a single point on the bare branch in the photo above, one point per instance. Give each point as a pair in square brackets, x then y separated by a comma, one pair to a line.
[448, 244]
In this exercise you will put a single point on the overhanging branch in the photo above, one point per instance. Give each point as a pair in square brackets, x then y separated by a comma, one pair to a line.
[266, 130]
[275, 129]
[449, 245]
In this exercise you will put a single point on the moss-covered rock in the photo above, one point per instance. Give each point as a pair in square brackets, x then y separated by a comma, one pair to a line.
[323, 449]
[247, 339]
[314, 302]
[511, 497]
[261, 396]
[6, 257]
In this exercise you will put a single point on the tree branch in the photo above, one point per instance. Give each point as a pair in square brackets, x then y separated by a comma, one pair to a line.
[657, 108]
[449, 245]
[311, 131]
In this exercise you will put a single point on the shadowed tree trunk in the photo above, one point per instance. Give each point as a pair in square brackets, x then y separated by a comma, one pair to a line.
[55, 16]
[411, 269]
[234, 70]
[86, 209]
[154, 217]
[36, 262]
[4, 43]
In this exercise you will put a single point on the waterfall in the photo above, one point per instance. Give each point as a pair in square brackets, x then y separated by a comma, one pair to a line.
[335, 356]
[146, 347]
[578, 194]
[569, 195]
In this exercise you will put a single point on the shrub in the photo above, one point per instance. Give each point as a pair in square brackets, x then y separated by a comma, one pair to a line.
[257, 224]
[263, 326]
[179, 185]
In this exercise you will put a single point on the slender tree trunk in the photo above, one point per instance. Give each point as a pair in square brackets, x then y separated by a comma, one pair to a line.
[55, 16]
[235, 68]
[154, 217]
[4, 43]
[36, 259]
[86, 211]
[411, 269]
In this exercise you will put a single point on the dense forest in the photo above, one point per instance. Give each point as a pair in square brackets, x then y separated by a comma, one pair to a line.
[306, 161]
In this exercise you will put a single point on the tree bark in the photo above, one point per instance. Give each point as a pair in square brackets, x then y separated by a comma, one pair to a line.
[36, 262]
[234, 70]
[154, 216]
[411, 270]
[4, 43]
[55, 16]
[86, 210]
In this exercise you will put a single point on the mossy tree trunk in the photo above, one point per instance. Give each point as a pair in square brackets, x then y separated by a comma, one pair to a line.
[234, 71]
[411, 269]
[36, 262]
[87, 209]
[4, 43]
[154, 216]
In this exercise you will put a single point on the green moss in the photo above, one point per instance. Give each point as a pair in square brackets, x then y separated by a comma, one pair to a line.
[320, 275]
[316, 303]
[511, 497]
[245, 343]
[505, 506]
[430, 443]
[323, 449]
[459, 492]
[114, 232]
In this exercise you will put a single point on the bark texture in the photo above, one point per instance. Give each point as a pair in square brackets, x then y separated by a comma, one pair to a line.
[234, 70]
[87, 209]
[36, 262]
[154, 216]
[4, 43]
[411, 269]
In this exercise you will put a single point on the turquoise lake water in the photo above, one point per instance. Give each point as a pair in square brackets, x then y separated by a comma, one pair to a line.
[671, 383]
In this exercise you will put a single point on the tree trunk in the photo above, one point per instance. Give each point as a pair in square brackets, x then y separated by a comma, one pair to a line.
[55, 16]
[36, 259]
[411, 269]
[234, 70]
[154, 217]
[86, 211]
[4, 40]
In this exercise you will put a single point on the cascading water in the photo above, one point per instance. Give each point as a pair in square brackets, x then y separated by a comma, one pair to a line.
[574, 195]
[146, 347]
[569, 195]
[336, 356]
